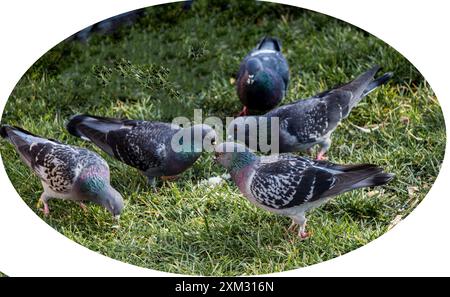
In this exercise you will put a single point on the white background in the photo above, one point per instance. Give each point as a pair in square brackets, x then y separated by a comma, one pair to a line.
[419, 245]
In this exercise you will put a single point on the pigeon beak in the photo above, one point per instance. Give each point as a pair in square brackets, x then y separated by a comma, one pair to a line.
[117, 218]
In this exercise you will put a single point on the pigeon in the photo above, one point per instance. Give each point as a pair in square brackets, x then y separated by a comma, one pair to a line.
[66, 172]
[263, 76]
[145, 145]
[291, 185]
[307, 122]
[109, 25]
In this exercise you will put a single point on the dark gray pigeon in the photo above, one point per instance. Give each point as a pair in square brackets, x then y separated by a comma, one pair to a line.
[263, 76]
[144, 145]
[307, 122]
[290, 185]
[66, 172]
[109, 25]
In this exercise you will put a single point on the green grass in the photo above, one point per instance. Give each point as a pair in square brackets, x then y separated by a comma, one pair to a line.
[2, 274]
[186, 61]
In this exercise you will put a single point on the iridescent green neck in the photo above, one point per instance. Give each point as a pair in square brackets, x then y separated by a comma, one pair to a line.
[263, 81]
[93, 181]
[241, 160]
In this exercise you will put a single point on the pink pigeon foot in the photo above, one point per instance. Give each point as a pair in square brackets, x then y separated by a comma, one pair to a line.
[304, 235]
[321, 156]
[46, 209]
[83, 207]
[244, 112]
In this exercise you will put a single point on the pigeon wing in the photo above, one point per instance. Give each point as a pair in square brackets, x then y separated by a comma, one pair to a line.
[289, 182]
[144, 146]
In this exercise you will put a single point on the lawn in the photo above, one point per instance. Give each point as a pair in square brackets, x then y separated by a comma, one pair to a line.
[172, 61]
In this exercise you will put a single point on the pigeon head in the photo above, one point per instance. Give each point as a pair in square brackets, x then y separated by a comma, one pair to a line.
[253, 66]
[111, 200]
[234, 156]
[257, 76]
[94, 186]
[203, 137]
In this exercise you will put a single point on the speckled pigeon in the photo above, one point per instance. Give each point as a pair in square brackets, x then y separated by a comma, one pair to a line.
[66, 172]
[290, 185]
[145, 145]
[307, 122]
[263, 77]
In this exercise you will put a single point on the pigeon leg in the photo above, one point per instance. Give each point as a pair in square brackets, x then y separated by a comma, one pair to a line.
[151, 181]
[244, 112]
[301, 221]
[292, 226]
[325, 145]
[302, 233]
[83, 206]
[169, 177]
[44, 198]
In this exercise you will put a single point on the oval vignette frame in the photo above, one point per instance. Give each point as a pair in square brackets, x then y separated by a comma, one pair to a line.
[113, 177]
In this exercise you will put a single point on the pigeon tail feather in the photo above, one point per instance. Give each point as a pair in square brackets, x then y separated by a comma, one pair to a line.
[378, 82]
[360, 84]
[80, 125]
[6, 129]
[364, 176]
[74, 121]
[375, 180]
[270, 43]
[95, 129]
[3, 131]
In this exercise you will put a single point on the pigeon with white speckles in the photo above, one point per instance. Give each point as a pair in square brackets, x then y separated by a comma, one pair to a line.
[290, 185]
[307, 122]
[145, 145]
[66, 172]
[263, 77]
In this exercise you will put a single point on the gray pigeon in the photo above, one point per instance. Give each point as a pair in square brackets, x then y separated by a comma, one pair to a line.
[263, 76]
[307, 122]
[290, 185]
[144, 145]
[66, 172]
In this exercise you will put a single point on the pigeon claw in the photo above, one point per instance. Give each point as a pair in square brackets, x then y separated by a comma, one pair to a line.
[321, 156]
[244, 112]
[83, 207]
[304, 235]
[46, 209]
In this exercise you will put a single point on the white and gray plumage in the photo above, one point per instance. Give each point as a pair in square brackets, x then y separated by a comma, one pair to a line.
[290, 185]
[66, 172]
[144, 145]
[307, 122]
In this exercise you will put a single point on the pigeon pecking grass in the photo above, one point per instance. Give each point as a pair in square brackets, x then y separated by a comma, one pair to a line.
[66, 172]
[290, 185]
[307, 122]
[145, 145]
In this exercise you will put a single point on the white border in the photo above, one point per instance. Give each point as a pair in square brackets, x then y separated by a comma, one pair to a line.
[417, 246]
